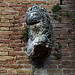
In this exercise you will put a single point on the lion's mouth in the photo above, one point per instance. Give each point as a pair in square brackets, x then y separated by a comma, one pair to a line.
[34, 21]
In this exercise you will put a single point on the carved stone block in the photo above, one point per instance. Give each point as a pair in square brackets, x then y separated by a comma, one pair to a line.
[40, 34]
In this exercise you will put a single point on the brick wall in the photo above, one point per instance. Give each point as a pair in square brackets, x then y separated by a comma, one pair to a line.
[13, 56]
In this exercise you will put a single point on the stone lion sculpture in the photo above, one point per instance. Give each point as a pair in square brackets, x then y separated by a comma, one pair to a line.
[40, 34]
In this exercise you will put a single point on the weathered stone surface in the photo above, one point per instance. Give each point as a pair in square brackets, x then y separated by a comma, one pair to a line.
[40, 33]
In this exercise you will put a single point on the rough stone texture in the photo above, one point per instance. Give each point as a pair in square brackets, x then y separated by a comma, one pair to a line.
[11, 44]
[40, 33]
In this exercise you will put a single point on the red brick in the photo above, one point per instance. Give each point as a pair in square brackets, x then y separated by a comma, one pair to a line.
[1, 0]
[26, 74]
[73, 58]
[5, 28]
[14, 13]
[11, 61]
[5, 13]
[14, 29]
[67, 71]
[6, 9]
[22, 57]
[65, 19]
[17, 21]
[9, 13]
[20, 25]
[4, 20]
[3, 4]
[67, 2]
[22, 13]
[16, 45]
[1, 65]
[47, 6]
[48, 10]
[3, 71]
[67, 74]
[3, 45]
[23, 62]
[17, 5]
[17, 1]
[18, 33]
[20, 9]
[13, 37]
[29, 5]
[67, 49]
[17, 41]
[18, 17]
[12, 1]
[73, 66]
[6, 41]
[3, 53]
[66, 62]
[18, 49]
[6, 25]
[50, 2]
[66, 66]
[38, 2]
[13, 74]
[73, 62]
[4, 36]
[3, 61]
[17, 53]
[16, 66]
[66, 58]
[54, 71]
[65, 54]
[0, 13]
[10, 66]
[17, 28]
[73, 70]
[57, 2]
[6, 16]
[55, 62]
[53, 66]
[6, 49]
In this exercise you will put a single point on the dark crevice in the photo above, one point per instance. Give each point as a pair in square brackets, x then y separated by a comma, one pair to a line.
[33, 22]
[40, 54]
[61, 2]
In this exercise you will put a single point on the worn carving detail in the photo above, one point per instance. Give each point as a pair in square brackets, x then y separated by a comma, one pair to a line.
[40, 34]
